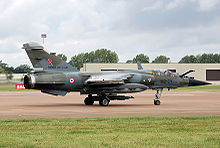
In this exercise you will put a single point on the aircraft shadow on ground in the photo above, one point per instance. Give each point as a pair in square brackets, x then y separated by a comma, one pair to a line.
[83, 105]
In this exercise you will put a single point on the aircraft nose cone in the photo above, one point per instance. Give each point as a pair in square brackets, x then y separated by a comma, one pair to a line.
[193, 82]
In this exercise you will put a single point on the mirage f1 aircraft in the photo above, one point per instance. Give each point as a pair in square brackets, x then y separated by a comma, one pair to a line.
[54, 76]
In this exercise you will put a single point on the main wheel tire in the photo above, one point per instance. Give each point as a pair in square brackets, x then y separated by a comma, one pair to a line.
[104, 102]
[88, 101]
[156, 102]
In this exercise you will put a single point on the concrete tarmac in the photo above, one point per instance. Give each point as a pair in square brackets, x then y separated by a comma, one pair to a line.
[24, 104]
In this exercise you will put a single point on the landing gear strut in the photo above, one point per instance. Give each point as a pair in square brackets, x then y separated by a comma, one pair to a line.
[157, 96]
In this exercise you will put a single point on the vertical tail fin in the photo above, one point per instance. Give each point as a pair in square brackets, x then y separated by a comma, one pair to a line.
[139, 65]
[42, 58]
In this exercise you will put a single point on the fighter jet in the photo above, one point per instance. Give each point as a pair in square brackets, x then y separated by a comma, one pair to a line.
[54, 76]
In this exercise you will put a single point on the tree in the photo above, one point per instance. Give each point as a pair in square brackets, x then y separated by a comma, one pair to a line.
[129, 61]
[189, 59]
[6, 68]
[105, 56]
[142, 58]
[204, 58]
[98, 56]
[3, 65]
[22, 69]
[208, 58]
[62, 56]
[9, 77]
[216, 58]
[2, 70]
[160, 59]
[78, 60]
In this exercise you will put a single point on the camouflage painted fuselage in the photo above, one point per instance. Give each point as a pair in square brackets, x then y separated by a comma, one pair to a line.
[139, 81]
[54, 76]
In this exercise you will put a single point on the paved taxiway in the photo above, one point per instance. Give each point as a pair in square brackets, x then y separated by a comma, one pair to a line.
[34, 104]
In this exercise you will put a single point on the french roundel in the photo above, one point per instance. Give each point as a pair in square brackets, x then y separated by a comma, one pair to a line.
[72, 80]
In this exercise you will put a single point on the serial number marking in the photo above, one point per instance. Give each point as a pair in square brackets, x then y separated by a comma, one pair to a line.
[57, 67]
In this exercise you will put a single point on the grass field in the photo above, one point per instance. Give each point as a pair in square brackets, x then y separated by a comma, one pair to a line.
[10, 87]
[112, 132]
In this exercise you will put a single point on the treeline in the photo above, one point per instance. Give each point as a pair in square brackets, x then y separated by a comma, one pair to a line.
[5, 69]
[204, 58]
[108, 56]
[98, 56]
[145, 59]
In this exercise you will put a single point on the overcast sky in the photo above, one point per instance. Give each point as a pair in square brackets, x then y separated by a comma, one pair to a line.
[173, 28]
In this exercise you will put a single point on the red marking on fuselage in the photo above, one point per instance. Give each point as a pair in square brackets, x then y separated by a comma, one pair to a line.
[71, 80]
[50, 62]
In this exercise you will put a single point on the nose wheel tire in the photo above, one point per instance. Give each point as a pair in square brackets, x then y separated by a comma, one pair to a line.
[156, 102]
[104, 102]
[88, 101]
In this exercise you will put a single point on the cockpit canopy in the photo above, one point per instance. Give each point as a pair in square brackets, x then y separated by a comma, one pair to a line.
[166, 73]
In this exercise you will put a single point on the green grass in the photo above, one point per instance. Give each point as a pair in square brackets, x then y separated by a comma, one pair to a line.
[10, 87]
[112, 132]
[7, 87]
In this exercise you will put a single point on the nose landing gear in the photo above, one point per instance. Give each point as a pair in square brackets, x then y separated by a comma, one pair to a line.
[157, 96]
[156, 102]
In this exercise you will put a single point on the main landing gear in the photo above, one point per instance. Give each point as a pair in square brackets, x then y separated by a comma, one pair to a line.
[157, 96]
[89, 100]
[104, 99]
